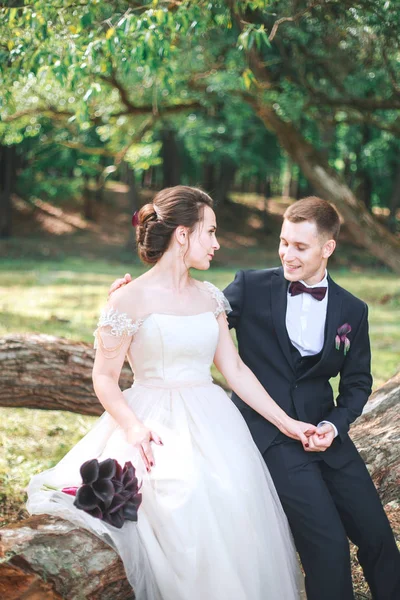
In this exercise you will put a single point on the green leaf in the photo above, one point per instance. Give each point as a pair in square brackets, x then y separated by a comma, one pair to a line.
[110, 33]
[11, 18]
[86, 19]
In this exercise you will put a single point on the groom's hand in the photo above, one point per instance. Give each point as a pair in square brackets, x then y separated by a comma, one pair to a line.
[119, 283]
[322, 439]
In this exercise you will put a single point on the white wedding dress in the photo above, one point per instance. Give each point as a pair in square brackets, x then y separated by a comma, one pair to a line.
[210, 526]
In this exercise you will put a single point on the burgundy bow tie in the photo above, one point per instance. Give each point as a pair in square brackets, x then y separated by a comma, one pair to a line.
[296, 288]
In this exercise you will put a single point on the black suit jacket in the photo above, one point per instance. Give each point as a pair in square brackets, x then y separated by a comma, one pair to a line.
[258, 299]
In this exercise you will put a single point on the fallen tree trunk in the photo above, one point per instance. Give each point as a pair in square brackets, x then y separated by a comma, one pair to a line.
[376, 435]
[44, 558]
[50, 373]
[46, 372]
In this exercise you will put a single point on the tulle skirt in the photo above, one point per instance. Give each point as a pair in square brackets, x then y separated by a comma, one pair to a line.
[210, 525]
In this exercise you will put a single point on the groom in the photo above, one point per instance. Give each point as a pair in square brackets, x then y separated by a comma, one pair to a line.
[296, 328]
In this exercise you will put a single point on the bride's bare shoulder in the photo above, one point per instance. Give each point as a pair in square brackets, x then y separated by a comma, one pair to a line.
[130, 297]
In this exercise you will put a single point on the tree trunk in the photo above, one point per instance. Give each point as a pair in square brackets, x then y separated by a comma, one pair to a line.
[227, 172]
[365, 228]
[287, 178]
[42, 371]
[44, 558]
[88, 201]
[365, 187]
[128, 177]
[7, 181]
[209, 177]
[376, 436]
[395, 201]
[171, 158]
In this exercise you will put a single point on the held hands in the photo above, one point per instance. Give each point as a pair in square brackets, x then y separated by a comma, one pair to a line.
[119, 283]
[140, 437]
[297, 430]
[322, 438]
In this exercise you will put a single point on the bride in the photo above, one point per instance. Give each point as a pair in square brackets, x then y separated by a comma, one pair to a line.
[210, 525]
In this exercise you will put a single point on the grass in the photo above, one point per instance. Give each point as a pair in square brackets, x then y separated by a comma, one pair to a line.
[63, 298]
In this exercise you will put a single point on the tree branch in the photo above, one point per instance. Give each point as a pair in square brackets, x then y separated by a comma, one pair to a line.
[360, 103]
[295, 17]
[45, 111]
[389, 68]
[132, 109]
[362, 119]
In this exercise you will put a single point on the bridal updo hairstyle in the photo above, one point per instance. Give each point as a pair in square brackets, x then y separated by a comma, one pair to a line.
[321, 212]
[157, 221]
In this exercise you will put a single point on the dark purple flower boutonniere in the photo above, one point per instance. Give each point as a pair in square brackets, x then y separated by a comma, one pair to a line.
[341, 336]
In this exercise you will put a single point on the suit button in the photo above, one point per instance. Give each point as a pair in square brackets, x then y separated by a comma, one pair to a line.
[296, 386]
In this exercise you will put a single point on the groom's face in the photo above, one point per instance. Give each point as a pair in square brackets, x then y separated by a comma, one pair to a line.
[303, 252]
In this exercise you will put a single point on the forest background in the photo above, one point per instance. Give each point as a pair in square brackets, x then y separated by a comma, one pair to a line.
[260, 103]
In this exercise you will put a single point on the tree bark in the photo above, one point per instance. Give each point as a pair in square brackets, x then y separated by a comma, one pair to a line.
[226, 177]
[44, 558]
[8, 165]
[128, 177]
[88, 200]
[171, 158]
[366, 229]
[287, 178]
[42, 371]
[365, 187]
[395, 200]
[209, 177]
[376, 436]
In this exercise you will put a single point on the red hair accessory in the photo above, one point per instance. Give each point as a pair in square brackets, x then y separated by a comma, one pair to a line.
[135, 219]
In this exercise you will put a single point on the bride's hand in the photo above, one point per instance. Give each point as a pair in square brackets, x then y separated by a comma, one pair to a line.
[119, 283]
[297, 430]
[141, 437]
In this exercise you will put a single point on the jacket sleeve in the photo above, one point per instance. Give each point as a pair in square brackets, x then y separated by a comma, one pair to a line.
[355, 380]
[234, 293]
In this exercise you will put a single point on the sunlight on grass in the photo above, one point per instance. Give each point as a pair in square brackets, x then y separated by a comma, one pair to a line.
[65, 298]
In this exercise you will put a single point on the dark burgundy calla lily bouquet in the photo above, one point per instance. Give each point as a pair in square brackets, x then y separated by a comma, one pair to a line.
[108, 491]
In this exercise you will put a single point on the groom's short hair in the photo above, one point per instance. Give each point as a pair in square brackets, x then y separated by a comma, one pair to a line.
[321, 212]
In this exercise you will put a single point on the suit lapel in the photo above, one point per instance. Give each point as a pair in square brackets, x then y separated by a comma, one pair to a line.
[278, 309]
[333, 312]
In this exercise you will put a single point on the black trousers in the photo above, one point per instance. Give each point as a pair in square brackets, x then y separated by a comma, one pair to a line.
[325, 506]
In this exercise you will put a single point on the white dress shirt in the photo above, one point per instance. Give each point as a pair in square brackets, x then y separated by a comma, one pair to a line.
[305, 322]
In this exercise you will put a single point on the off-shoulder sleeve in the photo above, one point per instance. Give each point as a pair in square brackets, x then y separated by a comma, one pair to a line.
[114, 332]
[222, 304]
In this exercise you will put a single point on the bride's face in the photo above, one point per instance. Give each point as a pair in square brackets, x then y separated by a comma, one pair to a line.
[203, 242]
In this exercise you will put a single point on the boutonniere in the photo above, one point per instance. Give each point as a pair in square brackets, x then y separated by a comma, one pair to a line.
[341, 336]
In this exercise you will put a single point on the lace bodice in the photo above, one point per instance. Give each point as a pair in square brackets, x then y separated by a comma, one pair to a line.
[164, 348]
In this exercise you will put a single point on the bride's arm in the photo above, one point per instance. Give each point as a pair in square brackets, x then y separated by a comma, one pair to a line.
[105, 375]
[246, 385]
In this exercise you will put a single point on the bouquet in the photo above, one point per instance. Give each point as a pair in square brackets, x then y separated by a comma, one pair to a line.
[108, 491]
